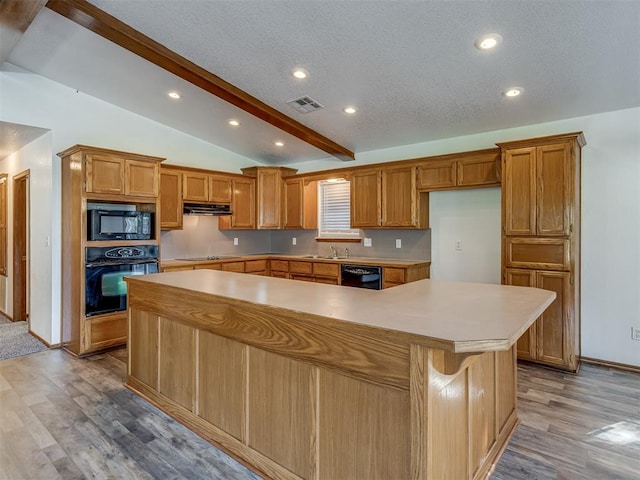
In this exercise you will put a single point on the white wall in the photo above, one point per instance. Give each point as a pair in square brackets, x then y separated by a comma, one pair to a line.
[35, 157]
[610, 219]
[472, 218]
[76, 118]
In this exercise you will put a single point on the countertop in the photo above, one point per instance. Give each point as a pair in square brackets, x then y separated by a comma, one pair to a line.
[351, 260]
[456, 316]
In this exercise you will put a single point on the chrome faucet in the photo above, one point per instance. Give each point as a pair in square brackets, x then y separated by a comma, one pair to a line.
[334, 252]
[346, 253]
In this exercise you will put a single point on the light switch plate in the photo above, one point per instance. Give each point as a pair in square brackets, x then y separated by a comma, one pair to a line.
[398, 243]
[367, 242]
[293, 241]
[235, 240]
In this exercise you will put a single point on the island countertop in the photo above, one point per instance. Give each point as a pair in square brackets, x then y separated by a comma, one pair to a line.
[454, 316]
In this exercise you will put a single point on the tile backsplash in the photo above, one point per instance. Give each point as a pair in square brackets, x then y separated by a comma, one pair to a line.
[201, 237]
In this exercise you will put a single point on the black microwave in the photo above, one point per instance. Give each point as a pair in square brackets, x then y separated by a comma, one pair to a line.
[118, 225]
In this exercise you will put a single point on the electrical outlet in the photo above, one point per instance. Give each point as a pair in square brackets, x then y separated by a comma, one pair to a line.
[235, 240]
[458, 244]
[293, 241]
[367, 242]
[635, 333]
[398, 243]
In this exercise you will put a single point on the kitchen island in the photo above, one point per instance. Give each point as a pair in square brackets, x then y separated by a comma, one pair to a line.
[313, 381]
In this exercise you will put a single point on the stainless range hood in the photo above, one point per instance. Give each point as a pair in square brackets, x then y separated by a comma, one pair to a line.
[206, 209]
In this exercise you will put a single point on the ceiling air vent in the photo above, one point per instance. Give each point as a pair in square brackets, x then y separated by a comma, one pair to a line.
[305, 104]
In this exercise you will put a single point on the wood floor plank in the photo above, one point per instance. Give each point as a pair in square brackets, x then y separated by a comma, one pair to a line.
[68, 418]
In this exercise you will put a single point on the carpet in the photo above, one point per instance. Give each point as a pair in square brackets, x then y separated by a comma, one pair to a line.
[16, 341]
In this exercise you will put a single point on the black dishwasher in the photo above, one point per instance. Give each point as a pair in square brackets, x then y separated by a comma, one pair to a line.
[361, 276]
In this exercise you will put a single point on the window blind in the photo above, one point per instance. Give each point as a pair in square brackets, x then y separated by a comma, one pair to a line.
[335, 209]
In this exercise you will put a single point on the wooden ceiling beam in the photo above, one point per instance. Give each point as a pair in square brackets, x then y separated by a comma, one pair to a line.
[15, 18]
[118, 32]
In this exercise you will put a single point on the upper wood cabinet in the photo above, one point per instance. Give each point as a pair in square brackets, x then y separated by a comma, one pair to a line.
[220, 189]
[195, 187]
[115, 173]
[300, 204]
[538, 190]
[269, 187]
[366, 197]
[461, 170]
[170, 199]
[399, 206]
[243, 205]
[206, 188]
[387, 198]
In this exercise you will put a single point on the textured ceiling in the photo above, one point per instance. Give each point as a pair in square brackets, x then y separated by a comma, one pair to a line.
[14, 136]
[410, 67]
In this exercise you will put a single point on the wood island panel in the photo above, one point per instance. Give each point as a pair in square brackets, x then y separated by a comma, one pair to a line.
[221, 381]
[298, 393]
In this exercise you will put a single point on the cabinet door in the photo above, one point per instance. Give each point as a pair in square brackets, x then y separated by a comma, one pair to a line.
[219, 189]
[195, 187]
[104, 174]
[437, 174]
[243, 206]
[399, 197]
[365, 199]
[553, 173]
[141, 178]
[293, 203]
[269, 187]
[555, 326]
[519, 191]
[477, 171]
[170, 200]
[526, 346]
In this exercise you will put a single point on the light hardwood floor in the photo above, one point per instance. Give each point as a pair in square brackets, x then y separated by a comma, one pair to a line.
[61, 417]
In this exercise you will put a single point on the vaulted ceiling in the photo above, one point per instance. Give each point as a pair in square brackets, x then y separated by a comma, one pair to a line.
[409, 67]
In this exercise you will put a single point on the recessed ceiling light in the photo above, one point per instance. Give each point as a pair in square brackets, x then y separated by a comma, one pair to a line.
[174, 95]
[300, 73]
[234, 123]
[513, 92]
[350, 110]
[488, 42]
[279, 144]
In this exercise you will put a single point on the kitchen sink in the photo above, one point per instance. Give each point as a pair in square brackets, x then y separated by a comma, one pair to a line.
[325, 257]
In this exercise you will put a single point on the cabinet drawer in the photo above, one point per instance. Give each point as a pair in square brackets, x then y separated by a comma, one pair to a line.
[328, 281]
[233, 267]
[177, 268]
[326, 269]
[301, 267]
[302, 278]
[393, 275]
[209, 266]
[543, 253]
[255, 266]
[108, 331]
[279, 274]
[279, 265]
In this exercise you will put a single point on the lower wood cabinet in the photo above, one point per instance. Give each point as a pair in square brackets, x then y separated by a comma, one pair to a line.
[554, 338]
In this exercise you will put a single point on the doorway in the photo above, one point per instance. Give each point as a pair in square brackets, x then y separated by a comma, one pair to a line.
[21, 247]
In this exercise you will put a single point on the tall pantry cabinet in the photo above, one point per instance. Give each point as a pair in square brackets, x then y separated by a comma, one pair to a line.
[541, 240]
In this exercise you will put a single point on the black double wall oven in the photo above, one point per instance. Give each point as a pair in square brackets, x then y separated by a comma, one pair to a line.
[105, 268]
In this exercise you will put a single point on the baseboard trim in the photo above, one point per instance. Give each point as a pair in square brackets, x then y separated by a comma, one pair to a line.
[47, 344]
[6, 315]
[606, 363]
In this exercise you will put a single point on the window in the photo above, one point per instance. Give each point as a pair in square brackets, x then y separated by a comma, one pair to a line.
[334, 209]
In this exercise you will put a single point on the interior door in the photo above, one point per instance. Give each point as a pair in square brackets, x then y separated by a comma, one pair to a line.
[20, 246]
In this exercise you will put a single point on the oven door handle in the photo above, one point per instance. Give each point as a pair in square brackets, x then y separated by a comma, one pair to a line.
[116, 263]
